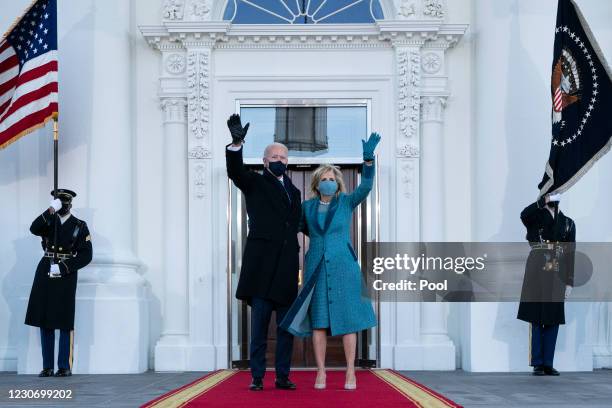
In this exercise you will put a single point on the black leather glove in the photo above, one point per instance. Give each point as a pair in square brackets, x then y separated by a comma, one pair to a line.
[235, 127]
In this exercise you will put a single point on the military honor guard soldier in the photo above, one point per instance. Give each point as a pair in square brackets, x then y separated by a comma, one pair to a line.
[549, 278]
[52, 299]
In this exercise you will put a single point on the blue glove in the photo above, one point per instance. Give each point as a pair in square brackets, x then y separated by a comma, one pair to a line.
[369, 146]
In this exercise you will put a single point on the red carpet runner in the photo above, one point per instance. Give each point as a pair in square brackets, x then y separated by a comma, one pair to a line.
[376, 388]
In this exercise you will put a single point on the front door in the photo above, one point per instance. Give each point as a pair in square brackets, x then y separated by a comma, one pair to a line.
[303, 355]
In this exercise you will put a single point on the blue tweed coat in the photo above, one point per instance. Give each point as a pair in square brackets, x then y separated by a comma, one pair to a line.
[349, 310]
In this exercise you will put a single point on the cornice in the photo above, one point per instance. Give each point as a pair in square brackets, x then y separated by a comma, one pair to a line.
[189, 34]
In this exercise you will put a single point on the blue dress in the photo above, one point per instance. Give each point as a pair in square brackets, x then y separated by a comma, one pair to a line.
[319, 309]
[333, 294]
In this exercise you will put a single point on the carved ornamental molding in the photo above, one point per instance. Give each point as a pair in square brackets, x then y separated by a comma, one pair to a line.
[172, 35]
[174, 109]
[189, 10]
[433, 108]
[408, 95]
[420, 9]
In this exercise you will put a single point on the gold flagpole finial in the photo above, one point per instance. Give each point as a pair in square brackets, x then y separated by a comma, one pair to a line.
[55, 129]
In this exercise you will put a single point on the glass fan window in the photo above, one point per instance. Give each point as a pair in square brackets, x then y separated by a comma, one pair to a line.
[302, 11]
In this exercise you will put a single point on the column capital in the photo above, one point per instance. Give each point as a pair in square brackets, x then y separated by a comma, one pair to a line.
[432, 108]
[174, 108]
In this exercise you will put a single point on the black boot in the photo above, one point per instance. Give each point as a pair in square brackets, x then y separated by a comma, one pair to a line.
[538, 370]
[256, 384]
[63, 372]
[46, 372]
[548, 370]
[284, 384]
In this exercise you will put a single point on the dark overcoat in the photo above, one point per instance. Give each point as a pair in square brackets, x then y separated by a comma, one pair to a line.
[540, 282]
[52, 300]
[270, 262]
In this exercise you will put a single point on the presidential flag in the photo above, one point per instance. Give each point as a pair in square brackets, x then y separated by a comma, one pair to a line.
[581, 92]
[28, 72]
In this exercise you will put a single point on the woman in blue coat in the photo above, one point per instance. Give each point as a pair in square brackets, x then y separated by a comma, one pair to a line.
[331, 300]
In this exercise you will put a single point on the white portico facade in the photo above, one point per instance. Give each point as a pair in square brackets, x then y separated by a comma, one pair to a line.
[145, 91]
[208, 66]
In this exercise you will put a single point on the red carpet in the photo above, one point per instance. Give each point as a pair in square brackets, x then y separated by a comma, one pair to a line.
[376, 388]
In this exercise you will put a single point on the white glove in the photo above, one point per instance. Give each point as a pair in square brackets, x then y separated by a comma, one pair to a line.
[554, 197]
[568, 291]
[54, 272]
[56, 204]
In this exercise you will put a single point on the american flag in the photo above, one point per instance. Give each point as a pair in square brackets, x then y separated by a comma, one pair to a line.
[28, 72]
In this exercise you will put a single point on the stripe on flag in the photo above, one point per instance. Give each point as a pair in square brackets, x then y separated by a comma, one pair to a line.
[28, 72]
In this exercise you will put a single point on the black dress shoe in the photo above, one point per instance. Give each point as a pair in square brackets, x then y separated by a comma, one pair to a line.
[63, 372]
[538, 370]
[46, 372]
[284, 384]
[256, 385]
[550, 371]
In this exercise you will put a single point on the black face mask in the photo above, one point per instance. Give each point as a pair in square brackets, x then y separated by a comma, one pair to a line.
[277, 168]
[553, 205]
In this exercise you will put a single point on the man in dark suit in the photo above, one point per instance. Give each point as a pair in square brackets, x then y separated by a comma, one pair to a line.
[52, 299]
[270, 265]
[549, 277]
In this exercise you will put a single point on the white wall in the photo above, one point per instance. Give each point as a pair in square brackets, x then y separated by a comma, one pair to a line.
[148, 162]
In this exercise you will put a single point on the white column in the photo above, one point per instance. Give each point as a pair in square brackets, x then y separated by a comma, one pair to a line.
[432, 169]
[111, 321]
[170, 350]
[112, 294]
[440, 350]
[602, 339]
[405, 317]
[207, 255]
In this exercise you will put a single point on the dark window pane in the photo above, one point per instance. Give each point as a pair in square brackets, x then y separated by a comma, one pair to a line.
[315, 5]
[229, 10]
[262, 12]
[350, 12]
[301, 129]
[377, 10]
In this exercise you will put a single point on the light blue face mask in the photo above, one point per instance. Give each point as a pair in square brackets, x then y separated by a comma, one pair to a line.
[328, 187]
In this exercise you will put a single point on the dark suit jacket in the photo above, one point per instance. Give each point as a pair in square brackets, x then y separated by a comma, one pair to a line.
[270, 263]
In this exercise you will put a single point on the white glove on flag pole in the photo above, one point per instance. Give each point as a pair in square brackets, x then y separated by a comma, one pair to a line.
[56, 204]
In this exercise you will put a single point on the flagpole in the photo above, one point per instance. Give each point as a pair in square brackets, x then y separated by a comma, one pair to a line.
[55, 144]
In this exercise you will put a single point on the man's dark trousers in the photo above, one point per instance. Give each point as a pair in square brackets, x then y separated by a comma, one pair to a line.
[543, 341]
[261, 312]
[64, 356]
